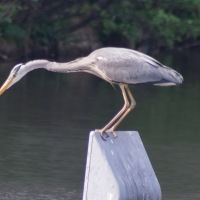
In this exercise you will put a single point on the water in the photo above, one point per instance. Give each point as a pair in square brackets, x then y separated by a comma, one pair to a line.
[45, 120]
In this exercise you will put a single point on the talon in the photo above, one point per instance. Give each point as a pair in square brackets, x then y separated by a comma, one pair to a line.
[103, 134]
[112, 131]
[114, 134]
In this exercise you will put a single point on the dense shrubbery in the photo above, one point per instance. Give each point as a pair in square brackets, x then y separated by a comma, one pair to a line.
[162, 23]
[156, 23]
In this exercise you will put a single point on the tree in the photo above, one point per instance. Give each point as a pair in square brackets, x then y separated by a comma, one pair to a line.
[163, 23]
[150, 23]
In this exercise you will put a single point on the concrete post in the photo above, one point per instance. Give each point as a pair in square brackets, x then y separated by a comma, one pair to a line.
[119, 169]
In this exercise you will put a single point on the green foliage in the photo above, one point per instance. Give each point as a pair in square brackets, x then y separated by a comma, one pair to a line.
[11, 31]
[160, 23]
[8, 28]
[165, 22]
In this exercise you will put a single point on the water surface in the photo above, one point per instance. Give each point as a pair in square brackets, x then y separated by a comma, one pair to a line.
[45, 120]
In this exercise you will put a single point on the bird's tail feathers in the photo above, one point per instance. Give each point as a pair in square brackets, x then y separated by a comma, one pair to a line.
[170, 77]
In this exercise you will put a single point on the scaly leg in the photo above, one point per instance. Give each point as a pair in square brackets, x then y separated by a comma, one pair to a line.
[132, 105]
[119, 114]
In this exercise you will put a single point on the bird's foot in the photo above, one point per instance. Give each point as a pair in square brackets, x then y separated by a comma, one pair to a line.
[103, 134]
[111, 131]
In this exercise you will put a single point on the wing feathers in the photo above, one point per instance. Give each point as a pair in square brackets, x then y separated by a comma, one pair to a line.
[132, 67]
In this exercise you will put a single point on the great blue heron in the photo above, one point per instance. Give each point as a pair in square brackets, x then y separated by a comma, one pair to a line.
[115, 65]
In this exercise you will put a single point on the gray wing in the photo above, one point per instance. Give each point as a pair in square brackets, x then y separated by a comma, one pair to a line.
[132, 67]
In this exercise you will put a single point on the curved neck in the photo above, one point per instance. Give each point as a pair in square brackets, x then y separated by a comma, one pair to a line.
[80, 64]
[36, 64]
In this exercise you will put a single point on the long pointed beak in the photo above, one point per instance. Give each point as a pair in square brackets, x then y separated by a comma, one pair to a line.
[6, 85]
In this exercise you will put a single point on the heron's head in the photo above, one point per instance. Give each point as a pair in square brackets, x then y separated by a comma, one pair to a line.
[15, 75]
[21, 70]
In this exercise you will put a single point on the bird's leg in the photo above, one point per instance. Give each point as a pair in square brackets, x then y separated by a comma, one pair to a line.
[119, 114]
[132, 105]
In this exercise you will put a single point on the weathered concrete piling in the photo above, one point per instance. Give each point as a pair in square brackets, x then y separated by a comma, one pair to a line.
[119, 169]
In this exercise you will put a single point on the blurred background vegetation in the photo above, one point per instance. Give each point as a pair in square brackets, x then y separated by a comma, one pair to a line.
[52, 28]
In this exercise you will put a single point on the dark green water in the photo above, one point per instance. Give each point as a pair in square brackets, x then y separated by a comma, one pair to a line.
[46, 118]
